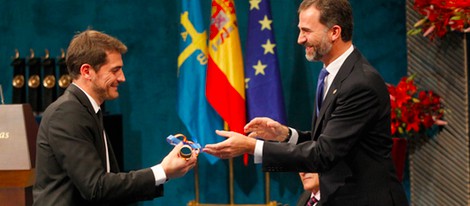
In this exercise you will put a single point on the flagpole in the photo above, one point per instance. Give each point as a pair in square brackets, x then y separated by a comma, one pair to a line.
[196, 182]
[230, 165]
[230, 175]
[266, 187]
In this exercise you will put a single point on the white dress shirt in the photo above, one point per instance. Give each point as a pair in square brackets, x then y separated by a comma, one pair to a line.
[317, 196]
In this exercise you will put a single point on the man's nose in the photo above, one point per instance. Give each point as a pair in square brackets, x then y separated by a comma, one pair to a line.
[301, 39]
[121, 77]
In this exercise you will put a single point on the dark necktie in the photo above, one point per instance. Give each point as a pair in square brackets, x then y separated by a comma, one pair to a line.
[312, 201]
[100, 118]
[320, 88]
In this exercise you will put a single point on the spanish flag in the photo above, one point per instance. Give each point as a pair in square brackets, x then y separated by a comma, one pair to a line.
[225, 86]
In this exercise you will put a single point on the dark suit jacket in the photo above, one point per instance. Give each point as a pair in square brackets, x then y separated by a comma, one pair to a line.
[304, 198]
[71, 161]
[352, 143]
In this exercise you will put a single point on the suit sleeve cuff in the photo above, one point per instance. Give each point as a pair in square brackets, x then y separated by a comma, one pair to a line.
[258, 155]
[294, 136]
[159, 174]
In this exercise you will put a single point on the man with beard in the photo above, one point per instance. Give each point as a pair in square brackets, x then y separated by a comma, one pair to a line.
[75, 163]
[349, 145]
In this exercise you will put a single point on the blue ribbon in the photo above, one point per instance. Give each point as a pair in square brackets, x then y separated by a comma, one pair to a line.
[174, 140]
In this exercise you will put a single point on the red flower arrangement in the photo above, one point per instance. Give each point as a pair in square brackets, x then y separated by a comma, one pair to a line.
[441, 16]
[413, 111]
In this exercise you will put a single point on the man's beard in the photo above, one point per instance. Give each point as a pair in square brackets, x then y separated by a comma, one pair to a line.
[102, 92]
[319, 50]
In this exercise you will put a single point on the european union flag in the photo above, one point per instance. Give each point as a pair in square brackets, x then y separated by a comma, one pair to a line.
[198, 116]
[263, 83]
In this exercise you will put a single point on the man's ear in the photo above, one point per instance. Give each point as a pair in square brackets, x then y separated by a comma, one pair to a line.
[335, 33]
[85, 70]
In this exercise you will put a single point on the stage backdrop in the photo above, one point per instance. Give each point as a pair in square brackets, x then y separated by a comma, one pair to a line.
[148, 98]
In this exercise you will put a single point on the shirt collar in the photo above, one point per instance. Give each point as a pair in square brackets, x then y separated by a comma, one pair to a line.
[316, 195]
[95, 105]
[334, 66]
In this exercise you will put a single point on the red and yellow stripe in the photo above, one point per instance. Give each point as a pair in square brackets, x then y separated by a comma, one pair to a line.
[225, 84]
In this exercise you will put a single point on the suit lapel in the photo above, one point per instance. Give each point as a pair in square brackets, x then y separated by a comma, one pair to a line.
[83, 99]
[334, 89]
[99, 143]
[303, 199]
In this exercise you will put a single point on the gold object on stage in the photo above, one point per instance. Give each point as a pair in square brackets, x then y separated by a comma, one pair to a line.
[65, 81]
[17, 54]
[34, 81]
[18, 81]
[49, 81]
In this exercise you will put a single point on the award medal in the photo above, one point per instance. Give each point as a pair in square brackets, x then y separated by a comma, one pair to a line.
[188, 146]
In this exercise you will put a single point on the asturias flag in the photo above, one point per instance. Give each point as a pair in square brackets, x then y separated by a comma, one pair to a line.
[225, 88]
[200, 118]
[263, 83]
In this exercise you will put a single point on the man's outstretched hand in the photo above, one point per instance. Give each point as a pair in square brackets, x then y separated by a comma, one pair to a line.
[235, 145]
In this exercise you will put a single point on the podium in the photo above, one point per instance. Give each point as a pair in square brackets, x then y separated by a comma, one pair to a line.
[18, 130]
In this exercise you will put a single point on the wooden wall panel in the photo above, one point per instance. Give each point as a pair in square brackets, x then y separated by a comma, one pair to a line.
[439, 167]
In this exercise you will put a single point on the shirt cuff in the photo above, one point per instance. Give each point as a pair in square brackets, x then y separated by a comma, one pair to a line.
[159, 174]
[258, 155]
[294, 137]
